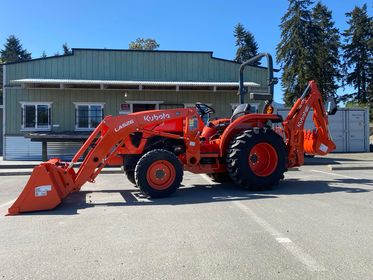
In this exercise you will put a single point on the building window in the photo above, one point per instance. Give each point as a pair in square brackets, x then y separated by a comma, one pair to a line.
[36, 116]
[88, 116]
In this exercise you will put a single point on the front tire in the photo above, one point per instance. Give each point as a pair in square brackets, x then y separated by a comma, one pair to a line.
[158, 173]
[257, 159]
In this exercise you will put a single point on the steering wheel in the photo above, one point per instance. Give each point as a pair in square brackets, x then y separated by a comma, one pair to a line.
[205, 109]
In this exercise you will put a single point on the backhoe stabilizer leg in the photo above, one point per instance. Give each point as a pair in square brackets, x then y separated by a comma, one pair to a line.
[48, 185]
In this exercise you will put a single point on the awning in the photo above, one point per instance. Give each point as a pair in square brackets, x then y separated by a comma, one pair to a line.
[129, 85]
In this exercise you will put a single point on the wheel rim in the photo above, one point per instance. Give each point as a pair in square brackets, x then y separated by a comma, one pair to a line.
[263, 159]
[161, 174]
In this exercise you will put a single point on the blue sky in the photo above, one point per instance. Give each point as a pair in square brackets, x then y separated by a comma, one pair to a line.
[176, 25]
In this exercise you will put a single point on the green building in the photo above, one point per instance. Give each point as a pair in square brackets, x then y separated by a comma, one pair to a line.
[70, 94]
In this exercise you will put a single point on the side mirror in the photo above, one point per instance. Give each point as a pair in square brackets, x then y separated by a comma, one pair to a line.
[331, 106]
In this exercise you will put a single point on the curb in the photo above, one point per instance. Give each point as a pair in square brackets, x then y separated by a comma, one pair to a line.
[28, 172]
[31, 166]
[350, 167]
[25, 166]
[293, 169]
[15, 173]
[15, 166]
[318, 162]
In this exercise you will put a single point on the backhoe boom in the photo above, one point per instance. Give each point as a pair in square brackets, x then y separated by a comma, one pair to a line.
[299, 141]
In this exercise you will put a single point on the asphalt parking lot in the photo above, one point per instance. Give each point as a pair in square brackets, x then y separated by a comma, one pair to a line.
[317, 224]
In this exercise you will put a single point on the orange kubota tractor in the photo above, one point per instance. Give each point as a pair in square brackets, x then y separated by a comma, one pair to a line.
[154, 147]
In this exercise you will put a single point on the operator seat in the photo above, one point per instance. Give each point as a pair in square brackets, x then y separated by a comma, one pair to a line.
[241, 110]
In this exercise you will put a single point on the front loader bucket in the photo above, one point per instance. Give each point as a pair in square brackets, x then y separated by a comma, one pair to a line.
[49, 183]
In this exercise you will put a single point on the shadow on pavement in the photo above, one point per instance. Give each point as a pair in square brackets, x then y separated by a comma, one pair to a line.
[326, 160]
[205, 193]
[299, 187]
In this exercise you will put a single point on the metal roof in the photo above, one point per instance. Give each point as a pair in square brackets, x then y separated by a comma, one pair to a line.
[128, 83]
[138, 51]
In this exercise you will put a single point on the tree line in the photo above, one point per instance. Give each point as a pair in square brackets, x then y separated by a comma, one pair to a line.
[312, 48]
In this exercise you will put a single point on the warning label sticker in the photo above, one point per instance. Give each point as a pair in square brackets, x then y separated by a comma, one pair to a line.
[43, 190]
[323, 148]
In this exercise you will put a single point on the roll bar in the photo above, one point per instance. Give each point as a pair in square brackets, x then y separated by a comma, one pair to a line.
[271, 80]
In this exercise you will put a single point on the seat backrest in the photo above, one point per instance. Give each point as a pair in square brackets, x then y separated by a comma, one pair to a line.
[242, 109]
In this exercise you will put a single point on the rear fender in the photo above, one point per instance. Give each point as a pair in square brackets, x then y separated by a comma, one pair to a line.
[243, 123]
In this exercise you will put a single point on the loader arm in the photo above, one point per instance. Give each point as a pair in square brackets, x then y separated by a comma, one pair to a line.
[298, 141]
[111, 135]
[52, 181]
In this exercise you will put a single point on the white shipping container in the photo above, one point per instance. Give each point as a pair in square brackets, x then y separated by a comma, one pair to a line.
[349, 128]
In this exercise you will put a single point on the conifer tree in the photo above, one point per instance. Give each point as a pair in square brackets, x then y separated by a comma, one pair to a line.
[13, 51]
[325, 63]
[293, 51]
[358, 54]
[66, 49]
[370, 72]
[1, 82]
[246, 44]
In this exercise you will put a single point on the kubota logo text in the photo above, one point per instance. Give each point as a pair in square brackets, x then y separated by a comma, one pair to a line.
[303, 117]
[154, 117]
[123, 125]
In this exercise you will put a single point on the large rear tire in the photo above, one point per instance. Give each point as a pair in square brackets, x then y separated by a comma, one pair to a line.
[158, 173]
[220, 177]
[257, 159]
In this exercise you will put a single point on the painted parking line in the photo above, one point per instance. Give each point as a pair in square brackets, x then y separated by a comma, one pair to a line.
[7, 203]
[101, 198]
[4, 207]
[287, 243]
[334, 174]
[140, 197]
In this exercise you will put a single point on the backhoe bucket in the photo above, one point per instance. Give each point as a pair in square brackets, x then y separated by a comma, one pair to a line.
[49, 183]
[314, 144]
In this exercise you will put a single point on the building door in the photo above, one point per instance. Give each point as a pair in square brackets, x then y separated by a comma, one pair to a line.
[167, 106]
[142, 107]
[337, 127]
[357, 132]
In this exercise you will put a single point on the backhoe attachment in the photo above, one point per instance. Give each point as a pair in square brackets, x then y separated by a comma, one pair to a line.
[313, 142]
